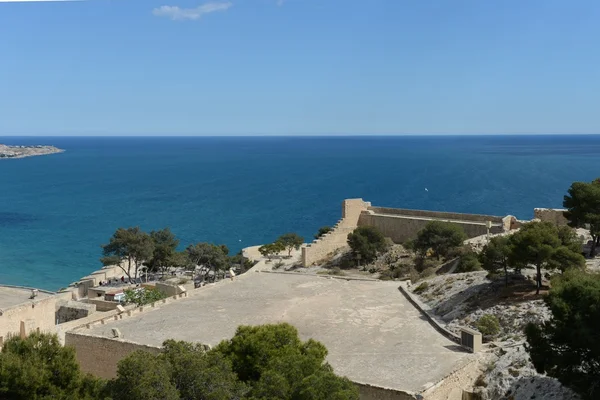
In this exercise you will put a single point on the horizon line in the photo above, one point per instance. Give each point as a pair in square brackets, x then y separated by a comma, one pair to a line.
[296, 135]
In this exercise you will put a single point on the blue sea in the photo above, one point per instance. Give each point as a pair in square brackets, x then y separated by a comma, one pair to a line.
[56, 210]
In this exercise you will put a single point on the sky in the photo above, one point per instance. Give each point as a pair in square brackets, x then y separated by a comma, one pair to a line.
[299, 67]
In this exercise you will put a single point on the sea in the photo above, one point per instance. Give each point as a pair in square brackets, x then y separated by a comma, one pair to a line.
[57, 210]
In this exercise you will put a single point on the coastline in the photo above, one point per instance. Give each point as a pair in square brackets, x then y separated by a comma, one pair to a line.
[12, 152]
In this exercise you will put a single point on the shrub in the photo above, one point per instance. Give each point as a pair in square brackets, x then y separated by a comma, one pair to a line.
[427, 272]
[142, 296]
[278, 264]
[469, 262]
[488, 325]
[368, 242]
[439, 236]
[421, 288]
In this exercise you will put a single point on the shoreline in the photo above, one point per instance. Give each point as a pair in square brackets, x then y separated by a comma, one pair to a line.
[13, 152]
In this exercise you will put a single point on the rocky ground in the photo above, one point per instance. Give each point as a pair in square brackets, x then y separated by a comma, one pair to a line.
[26, 151]
[462, 299]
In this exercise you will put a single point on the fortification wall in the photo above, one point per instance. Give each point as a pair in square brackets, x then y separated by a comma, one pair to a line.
[402, 228]
[441, 215]
[335, 240]
[556, 216]
[369, 392]
[30, 315]
[99, 355]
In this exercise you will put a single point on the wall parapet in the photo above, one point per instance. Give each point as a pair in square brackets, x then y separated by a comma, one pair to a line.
[337, 238]
[427, 313]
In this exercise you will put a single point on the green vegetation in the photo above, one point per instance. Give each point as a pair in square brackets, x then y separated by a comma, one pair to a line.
[212, 256]
[367, 242]
[421, 288]
[567, 347]
[545, 246]
[164, 255]
[131, 245]
[143, 296]
[323, 231]
[583, 205]
[271, 249]
[468, 261]
[488, 325]
[290, 241]
[39, 368]
[494, 256]
[439, 237]
[262, 362]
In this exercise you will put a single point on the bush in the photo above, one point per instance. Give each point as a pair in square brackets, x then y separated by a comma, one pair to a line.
[367, 242]
[427, 272]
[142, 296]
[421, 288]
[439, 236]
[488, 325]
[278, 264]
[469, 262]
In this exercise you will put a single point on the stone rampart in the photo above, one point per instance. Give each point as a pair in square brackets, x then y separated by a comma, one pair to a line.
[99, 355]
[32, 314]
[401, 228]
[556, 216]
[337, 239]
[441, 215]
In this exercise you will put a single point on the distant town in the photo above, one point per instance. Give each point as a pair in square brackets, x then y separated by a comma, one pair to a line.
[27, 151]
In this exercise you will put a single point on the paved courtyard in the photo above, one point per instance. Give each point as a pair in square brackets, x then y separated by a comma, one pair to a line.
[373, 334]
[11, 296]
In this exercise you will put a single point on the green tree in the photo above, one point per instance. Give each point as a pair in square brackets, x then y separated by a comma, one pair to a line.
[276, 364]
[198, 374]
[323, 231]
[583, 209]
[212, 256]
[439, 236]
[131, 245]
[38, 367]
[143, 296]
[290, 241]
[494, 256]
[544, 246]
[367, 242]
[567, 347]
[143, 376]
[269, 250]
[164, 255]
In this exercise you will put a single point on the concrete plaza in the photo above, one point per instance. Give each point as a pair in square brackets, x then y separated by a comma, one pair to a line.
[373, 334]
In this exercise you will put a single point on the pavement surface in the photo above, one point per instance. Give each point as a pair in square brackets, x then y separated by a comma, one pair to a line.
[12, 296]
[373, 334]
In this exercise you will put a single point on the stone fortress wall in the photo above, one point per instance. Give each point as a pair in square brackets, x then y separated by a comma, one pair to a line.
[556, 216]
[397, 224]
[25, 316]
[337, 239]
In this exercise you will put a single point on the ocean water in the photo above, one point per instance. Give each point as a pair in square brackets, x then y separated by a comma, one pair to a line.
[56, 211]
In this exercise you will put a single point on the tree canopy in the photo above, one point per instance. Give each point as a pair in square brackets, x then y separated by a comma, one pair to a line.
[583, 208]
[323, 231]
[567, 347]
[545, 246]
[131, 245]
[270, 249]
[38, 367]
[367, 242]
[164, 255]
[494, 256]
[212, 256]
[439, 236]
[290, 241]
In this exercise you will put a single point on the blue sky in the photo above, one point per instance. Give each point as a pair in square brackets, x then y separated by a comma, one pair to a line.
[184, 67]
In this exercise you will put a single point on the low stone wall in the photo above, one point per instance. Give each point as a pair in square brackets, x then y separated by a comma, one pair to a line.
[103, 305]
[556, 216]
[369, 392]
[99, 355]
[73, 310]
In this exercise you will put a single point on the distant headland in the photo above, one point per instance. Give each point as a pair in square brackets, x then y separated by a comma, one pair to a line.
[27, 151]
